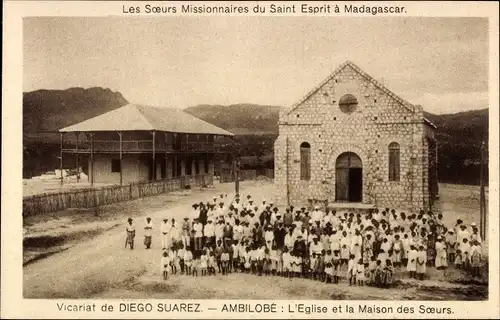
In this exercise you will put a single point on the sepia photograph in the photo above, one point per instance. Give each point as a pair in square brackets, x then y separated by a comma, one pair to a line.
[255, 157]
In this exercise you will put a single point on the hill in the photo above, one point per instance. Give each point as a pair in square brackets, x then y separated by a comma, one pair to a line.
[256, 127]
[459, 136]
[240, 119]
[46, 111]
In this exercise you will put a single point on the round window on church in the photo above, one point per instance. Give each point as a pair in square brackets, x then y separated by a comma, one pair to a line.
[348, 103]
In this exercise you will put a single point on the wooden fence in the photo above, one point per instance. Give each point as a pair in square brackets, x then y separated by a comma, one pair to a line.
[247, 175]
[95, 197]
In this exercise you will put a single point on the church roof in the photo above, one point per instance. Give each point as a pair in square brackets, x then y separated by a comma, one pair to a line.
[377, 84]
[133, 117]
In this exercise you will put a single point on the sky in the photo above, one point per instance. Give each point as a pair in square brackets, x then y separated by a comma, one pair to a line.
[440, 63]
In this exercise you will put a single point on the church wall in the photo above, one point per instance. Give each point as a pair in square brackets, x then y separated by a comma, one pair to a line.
[378, 120]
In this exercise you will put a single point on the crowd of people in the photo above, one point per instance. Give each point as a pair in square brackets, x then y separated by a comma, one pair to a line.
[222, 236]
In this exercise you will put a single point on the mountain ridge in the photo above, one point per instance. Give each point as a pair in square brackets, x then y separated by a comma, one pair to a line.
[46, 111]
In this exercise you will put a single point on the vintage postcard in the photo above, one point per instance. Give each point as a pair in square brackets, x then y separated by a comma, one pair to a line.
[250, 160]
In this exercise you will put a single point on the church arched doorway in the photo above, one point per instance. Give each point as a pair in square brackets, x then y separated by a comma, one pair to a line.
[348, 178]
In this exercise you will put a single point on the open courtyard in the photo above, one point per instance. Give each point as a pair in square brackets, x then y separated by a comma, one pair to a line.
[87, 247]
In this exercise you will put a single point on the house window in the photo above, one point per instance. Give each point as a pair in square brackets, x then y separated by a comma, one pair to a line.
[394, 161]
[115, 165]
[305, 161]
[348, 103]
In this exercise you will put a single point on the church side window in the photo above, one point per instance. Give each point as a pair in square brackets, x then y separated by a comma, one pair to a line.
[305, 161]
[394, 161]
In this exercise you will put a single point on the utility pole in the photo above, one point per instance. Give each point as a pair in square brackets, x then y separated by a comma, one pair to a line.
[61, 159]
[482, 197]
[237, 175]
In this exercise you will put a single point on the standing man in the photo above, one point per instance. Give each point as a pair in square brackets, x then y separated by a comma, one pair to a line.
[209, 233]
[175, 234]
[130, 234]
[164, 229]
[237, 204]
[148, 233]
[186, 231]
[317, 215]
[195, 213]
[198, 234]
[221, 210]
[288, 218]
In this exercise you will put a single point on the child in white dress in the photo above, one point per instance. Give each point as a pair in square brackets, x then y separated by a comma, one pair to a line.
[351, 270]
[188, 260]
[360, 273]
[165, 264]
[421, 262]
[411, 266]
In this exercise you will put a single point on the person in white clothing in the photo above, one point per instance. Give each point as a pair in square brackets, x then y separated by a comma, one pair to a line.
[221, 210]
[198, 235]
[230, 219]
[463, 234]
[219, 231]
[351, 270]
[195, 213]
[316, 215]
[315, 247]
[250, 205]
[165, 264]
[188, 260]
[262, 207]
[269, 237]
[289, 240]
[175, 234]
[209, 232]
[237, 204]
[130, 234]
[475, 236]
[165, 229]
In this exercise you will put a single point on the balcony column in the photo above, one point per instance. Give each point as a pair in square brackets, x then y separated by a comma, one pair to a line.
[183, 166]
[91, 171]
[154, 151]
[61, 159]
[120, 134]
[77, 158]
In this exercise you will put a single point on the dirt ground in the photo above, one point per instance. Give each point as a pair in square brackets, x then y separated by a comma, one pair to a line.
[87, 247]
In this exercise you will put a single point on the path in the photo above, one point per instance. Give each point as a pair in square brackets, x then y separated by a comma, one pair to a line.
[102, 268]
[97, 264]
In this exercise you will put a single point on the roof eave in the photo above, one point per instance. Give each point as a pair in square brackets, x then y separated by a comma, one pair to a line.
[69, 129]
[428, 122]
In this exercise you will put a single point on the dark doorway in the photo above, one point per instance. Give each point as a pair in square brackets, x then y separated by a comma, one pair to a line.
[355, 184]
[349, 178]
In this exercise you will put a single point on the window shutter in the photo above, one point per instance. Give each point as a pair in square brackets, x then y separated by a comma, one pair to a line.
[394, 159]
[305, 161]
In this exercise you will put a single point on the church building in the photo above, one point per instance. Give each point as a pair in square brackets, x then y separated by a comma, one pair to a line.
[352, 143]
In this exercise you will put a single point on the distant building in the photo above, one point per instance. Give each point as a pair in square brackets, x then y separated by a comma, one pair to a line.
[352, 142]
[141, 143]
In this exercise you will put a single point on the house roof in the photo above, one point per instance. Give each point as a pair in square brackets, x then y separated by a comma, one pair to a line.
[133, 117]
[377, 84]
